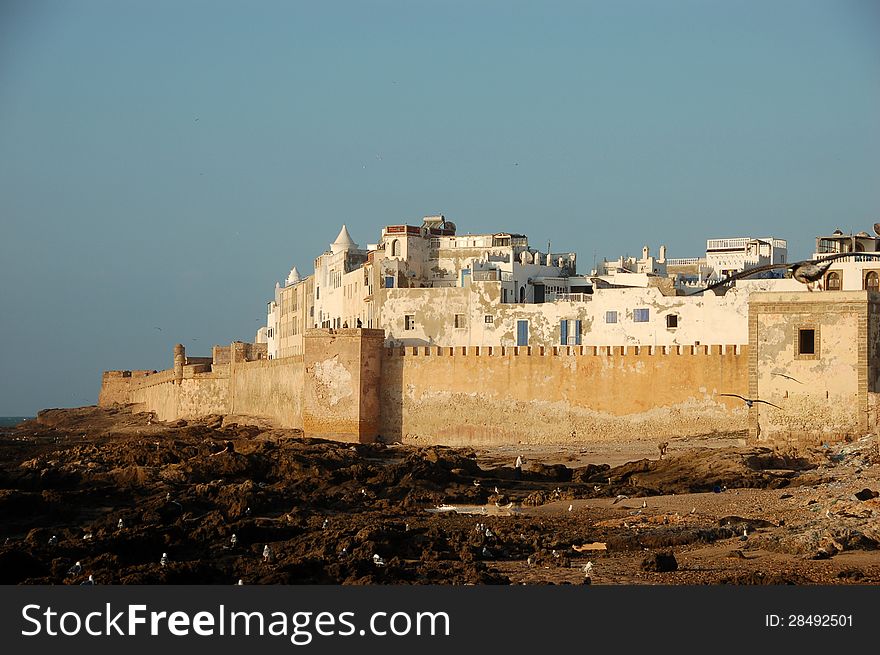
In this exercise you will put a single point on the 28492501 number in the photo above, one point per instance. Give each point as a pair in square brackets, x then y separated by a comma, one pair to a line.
[809, 620]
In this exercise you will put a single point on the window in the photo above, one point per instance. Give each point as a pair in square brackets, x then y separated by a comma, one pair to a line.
[872, 281]
[488, 318]
[522, 333]
[640, 315]
[807, 341]
[570, 332]
[832, 282]
[389, 281]
[395, 248]
[611, 317]
[409, 322]
[672, 321]
[459, 321]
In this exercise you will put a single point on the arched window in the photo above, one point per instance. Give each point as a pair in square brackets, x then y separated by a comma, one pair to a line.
[395, 248]
[832, 282]
[872, 281]
[522, 294]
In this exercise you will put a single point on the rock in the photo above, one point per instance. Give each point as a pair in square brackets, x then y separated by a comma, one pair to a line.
[660, 562]
[866, 494]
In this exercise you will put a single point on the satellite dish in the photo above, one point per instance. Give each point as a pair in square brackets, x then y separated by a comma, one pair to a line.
[877, 229]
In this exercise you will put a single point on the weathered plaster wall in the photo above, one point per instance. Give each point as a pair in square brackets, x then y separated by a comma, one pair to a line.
[270, 389]
[827, 400]
[340, 380]
[506, 395]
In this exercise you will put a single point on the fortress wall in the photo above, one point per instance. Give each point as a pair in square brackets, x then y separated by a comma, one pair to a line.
[269, 388]
[574, 394]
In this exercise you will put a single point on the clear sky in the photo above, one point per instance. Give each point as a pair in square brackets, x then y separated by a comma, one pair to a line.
[164, 162]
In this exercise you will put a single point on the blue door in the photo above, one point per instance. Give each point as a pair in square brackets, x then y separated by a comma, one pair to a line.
[522, 333]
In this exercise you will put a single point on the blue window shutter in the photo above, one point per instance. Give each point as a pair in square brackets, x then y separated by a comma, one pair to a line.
[389, 282]
[563, 332]
[522, 333]
[577, 332]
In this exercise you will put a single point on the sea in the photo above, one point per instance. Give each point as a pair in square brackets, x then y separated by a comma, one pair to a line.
[10, 421]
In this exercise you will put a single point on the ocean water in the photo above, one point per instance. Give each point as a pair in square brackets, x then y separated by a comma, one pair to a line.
[9, 421]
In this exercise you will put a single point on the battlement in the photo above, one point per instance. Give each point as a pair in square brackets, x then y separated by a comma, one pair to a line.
[725, 350]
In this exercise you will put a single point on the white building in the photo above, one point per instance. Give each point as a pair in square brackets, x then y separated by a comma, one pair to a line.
[850, 273]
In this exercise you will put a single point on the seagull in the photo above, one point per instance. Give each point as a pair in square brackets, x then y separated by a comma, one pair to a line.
[325, 524]
[157, 328]
[486, 553]
[87, 536]
[496, 490]
[378, 561]
[749, 401]
[240, 583]
[745, 535]
[694, 510]
[234, 540]
[53, 540]
[120, 525]
[788, 377]
[619, 498]
[807, 271]
[89, 582]
[247, 511]
[489, 534]
[570, 507]
[76, 569]
[164, 560]
[476, 483]
[588, 569]
[644, 504]
[168, 495]
[267, 553]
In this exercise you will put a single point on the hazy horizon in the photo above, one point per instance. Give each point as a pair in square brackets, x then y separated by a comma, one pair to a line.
[163, 164]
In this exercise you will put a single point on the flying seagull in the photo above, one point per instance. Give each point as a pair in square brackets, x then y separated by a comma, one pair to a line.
[807, 271]
[619, 498]
[787, 377]
[749, 401]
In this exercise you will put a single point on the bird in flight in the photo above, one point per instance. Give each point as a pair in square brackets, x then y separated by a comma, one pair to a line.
[807, 271]
[787, 377]
[749, 401]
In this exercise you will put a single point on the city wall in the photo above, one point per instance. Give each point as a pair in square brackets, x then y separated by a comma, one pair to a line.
[574, 394]
[348, 386]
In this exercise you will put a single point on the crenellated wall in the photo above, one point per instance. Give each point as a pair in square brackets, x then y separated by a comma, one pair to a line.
[574, 394]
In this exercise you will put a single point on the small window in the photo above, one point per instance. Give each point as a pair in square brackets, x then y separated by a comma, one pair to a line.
[872, 281]
[832, 282]
[389, 282]
[672, 321]
[459, 320]
[409, 322]
[522, 333]
[488, 318]
[640, 315]
[806, 341]
[611, 317]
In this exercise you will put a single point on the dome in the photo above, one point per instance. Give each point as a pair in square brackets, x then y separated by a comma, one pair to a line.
[293, 277]
[343, 242]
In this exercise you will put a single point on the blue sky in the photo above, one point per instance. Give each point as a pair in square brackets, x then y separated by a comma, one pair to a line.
[163, 163]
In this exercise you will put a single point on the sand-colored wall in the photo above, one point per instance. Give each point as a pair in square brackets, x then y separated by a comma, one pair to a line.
[555, 395]
[341, 384]
[269, 388]
[828, 398]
